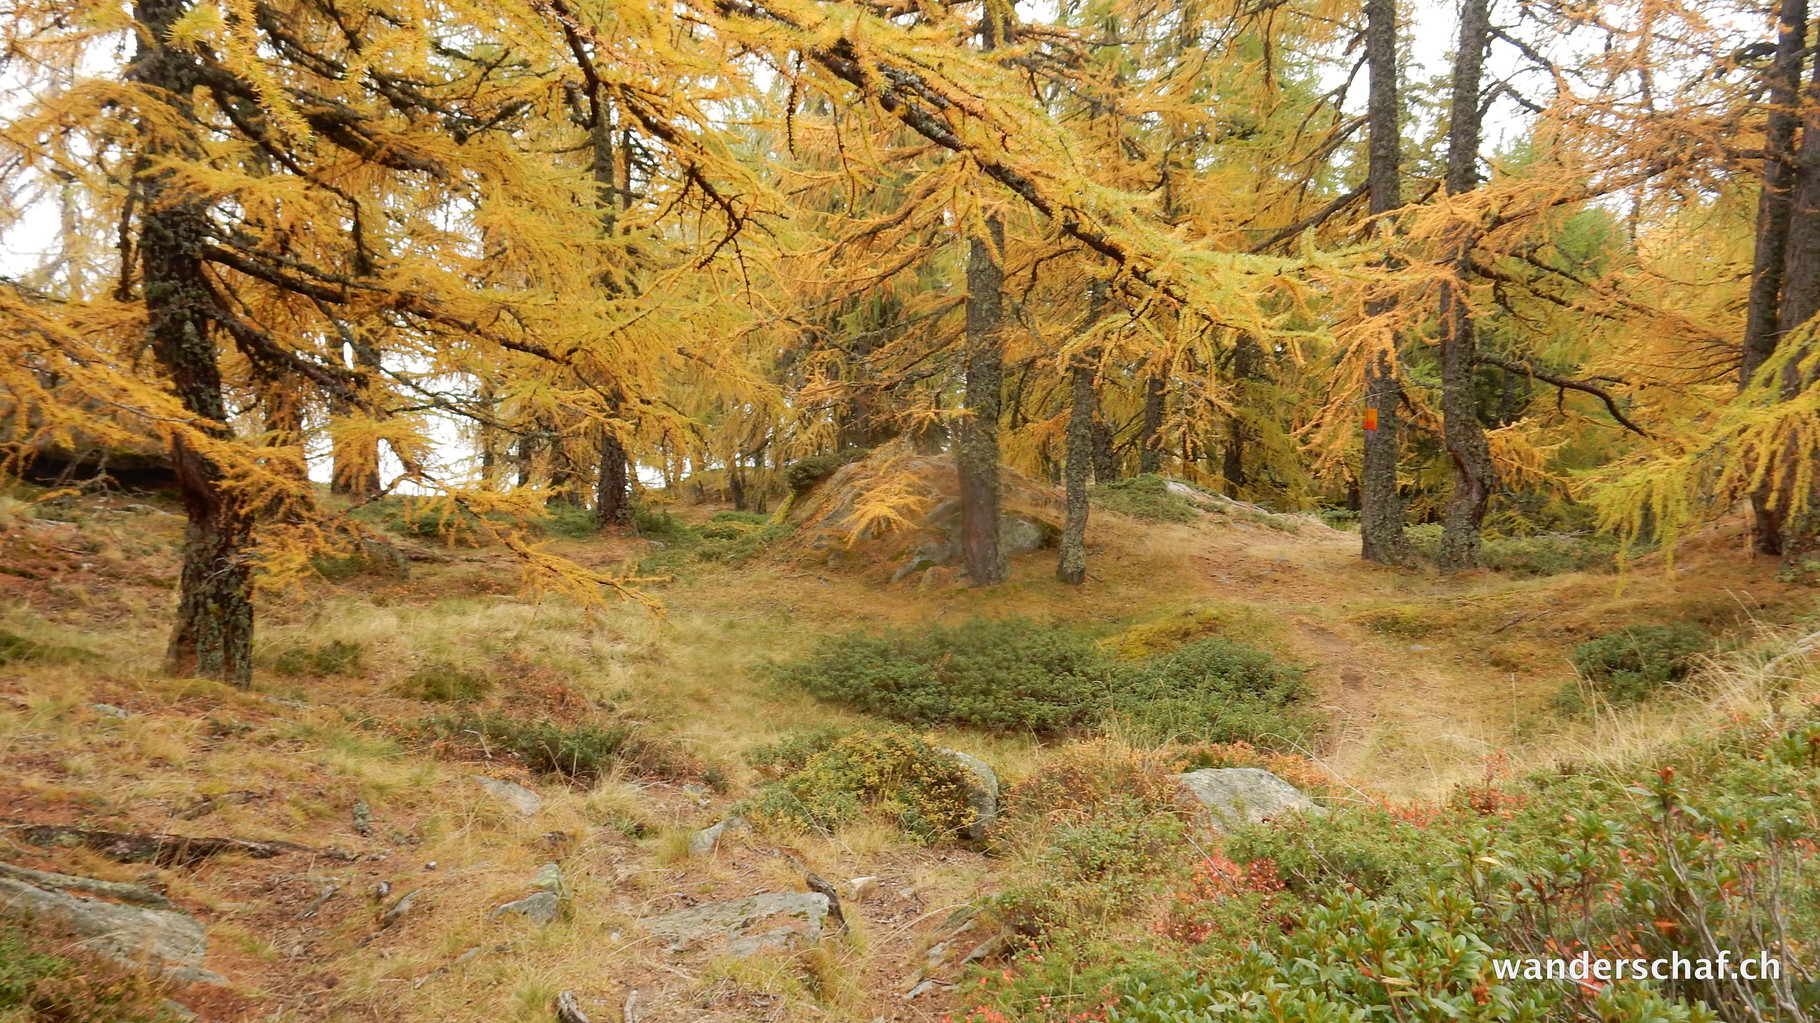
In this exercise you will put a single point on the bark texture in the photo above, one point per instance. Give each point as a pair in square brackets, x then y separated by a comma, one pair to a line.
[1381, 506]
[1473, 473]
[1775, 202]
[1071, 567]
[976, 450]
[212, 636]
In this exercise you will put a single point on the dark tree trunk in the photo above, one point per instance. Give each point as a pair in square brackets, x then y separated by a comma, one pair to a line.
[1381, 512]
[566, 480]
[1232, 460]
[1071, 567]
[213, 633]
[976, 452]
[1473, 472]
[612, 483]
[1800, 302]
[1105, 460]
[1150, 439]
[524, 457]
[1774, 205]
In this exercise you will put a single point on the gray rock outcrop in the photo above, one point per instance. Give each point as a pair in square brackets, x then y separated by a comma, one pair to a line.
[173, 942]
[982, 793]
[1237, 796]
[775, 921]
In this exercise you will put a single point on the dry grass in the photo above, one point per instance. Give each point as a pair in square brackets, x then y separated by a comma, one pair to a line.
[1406, 722]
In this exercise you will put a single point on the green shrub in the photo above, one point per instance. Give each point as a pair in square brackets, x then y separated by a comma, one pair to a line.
[446, 683]
[581, 753]
[1016, 674]
[661, 526]
[17, 649]
[569, 521]
[1632, 663]
[423, 518]
[1530, 556]
[805, 473]
[1097, 865]
[1010, 674]
[336, 657]
[47, 977]
[1213, 690]
[1144, 497]
[830, 777]
[729, 538]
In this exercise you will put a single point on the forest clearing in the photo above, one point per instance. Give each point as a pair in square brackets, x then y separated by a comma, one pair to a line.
[856, 510]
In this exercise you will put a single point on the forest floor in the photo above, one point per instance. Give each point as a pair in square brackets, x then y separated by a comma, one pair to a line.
[1427, 681]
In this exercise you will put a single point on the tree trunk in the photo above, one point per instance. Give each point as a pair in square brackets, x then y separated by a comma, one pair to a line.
[1071, 565]
[1799, 303]
[1071, 568]
[1232, 460]
[1381, 511]
[1473, 472]
[212, 636]
[976, 452]
[612, 484]
[1774, 205]
[566, 480]
[1150, 440]
[1105, 461]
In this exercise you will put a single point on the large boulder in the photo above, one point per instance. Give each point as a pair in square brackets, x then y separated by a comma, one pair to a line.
[982, 792]
[777, 921]
[1237, 796]
[166, 940]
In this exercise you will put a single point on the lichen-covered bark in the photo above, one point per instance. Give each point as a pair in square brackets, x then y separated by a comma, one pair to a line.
[1071, 567]
[1473, 472]
[1381, 507]
[976, 450]
[212, 636]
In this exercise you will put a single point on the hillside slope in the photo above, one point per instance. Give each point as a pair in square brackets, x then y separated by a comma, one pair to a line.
[359, 743]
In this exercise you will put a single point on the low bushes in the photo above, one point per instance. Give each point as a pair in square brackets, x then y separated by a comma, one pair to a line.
[1144, 497]
[581, 753]
[1384, 913]
[1635, 662]
[729, 538]
[832, 777]
[1527, 556]
[1018, 675]
[445, 683]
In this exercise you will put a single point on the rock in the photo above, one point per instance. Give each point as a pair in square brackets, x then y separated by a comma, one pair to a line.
[540, 908]
[703, 842]
[982, 793]
[549, 879]
[110, 710]
[120, 891]
[746, 924]
[920, 990]
[862, 888]
[1018, 535]
[926, 556]
[519, 798]
[172, 941]
[1417, 648]
[1244, 795]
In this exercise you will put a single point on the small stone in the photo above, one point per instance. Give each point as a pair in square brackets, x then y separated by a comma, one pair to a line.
[797, 917]
[549, 879]
[703, 842]
[1417, 648]
[110, 710]
[363, 819]
[430, 865]
[862, 888]
[920, 990]
[516, 796]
